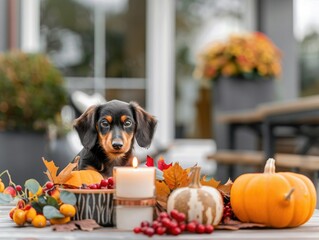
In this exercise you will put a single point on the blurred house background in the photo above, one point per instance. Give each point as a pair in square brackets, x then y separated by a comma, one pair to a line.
[145, 50]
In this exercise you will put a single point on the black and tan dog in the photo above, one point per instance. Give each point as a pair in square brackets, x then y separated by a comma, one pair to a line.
[107, 133]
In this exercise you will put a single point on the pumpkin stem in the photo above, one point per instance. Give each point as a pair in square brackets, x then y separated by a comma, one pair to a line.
[288, 195]
[270, 166]
[195, 177]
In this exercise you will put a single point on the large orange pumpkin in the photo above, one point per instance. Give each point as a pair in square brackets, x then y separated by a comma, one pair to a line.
[278, 200]
[84, 177]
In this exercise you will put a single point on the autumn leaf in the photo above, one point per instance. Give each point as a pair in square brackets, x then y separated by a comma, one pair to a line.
[230, 224]
[163, 205]
[176, 176]
[67, 227]
[211, 183]
[149, 161]
[225, 188]
[52, 170]
[87, 224]
[84, 225]
[63, 176]
[162, 191]
[162, 165]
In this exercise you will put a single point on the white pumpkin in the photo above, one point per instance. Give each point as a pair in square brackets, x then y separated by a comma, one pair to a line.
[201, 203]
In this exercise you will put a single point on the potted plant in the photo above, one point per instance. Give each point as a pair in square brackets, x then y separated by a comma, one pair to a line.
[245, 56]
[241, 71]
[32, 94]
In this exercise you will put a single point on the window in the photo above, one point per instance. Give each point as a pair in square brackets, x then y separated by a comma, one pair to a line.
[306, 30]
[98, 45]
[101, 46]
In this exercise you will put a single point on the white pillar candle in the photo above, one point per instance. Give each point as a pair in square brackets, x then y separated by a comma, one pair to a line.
[134, 182]
[129, 217]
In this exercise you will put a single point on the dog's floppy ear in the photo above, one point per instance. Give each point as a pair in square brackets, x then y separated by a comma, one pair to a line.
[85, 126]
[146, 125]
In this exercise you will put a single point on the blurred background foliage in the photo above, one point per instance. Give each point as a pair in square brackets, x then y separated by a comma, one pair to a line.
[32, 92]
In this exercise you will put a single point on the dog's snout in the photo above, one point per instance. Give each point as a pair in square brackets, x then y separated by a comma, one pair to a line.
[117, 144]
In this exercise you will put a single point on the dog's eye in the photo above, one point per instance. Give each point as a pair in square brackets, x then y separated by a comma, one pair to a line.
[104, 124]
[127, 123]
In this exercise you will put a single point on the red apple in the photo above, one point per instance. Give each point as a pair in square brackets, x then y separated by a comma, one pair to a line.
[10, 190]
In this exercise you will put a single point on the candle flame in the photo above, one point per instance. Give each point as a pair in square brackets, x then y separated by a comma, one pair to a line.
[135, 162]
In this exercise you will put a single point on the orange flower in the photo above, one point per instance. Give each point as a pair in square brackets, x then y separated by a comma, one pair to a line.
[209, 71]
[229, 69]
[252, 53]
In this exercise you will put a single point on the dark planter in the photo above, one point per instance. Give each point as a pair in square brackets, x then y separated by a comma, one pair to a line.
[21, 154]
[233, 94]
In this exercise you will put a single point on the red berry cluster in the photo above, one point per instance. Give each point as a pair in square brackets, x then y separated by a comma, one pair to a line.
[48, 188]
[104, 184]
[18, 188]
[173, 223]
[228, 212]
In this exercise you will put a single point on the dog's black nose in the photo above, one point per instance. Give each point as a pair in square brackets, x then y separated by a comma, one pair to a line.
[117, 145]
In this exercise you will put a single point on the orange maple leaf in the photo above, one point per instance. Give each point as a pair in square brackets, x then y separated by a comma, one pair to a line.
[176, 176]
[52, 170]
[211, 183]
[162, 191]
[63, 176]
[225, 188]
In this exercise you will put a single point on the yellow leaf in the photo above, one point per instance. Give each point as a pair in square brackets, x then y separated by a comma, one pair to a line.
[52, 170]
[176, 176]
[211, 183]
[63, 176]
[162, 191]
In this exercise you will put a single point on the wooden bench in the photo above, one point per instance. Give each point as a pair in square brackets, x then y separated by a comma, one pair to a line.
[306, 164]
[256, 158]
[274, 108]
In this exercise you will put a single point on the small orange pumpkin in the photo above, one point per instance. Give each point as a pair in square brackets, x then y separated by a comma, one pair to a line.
[84, 177]
[278, 200]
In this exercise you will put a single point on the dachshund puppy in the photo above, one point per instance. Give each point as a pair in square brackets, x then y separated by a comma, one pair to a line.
[107, 133]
